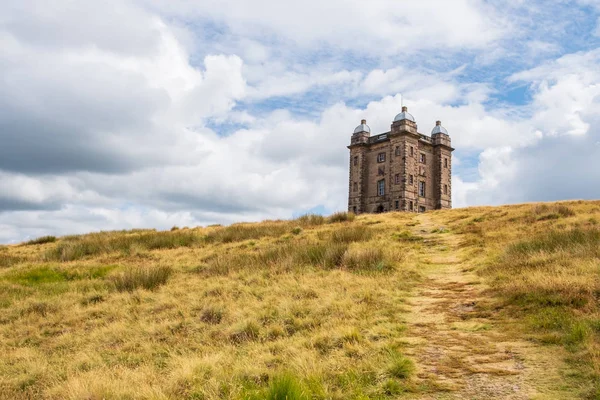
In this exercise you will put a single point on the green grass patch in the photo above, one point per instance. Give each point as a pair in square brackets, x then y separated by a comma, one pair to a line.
[49, 274]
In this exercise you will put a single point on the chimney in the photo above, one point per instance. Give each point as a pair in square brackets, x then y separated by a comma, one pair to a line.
[438, 123]
[363, 121]
[404, 109]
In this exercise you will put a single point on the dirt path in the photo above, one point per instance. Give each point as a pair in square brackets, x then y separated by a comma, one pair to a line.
[463, 352]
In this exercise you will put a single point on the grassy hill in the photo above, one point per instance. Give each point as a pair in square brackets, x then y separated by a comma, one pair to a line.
[492, 302]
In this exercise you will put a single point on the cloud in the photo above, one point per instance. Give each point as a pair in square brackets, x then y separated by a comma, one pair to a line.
[153, 114]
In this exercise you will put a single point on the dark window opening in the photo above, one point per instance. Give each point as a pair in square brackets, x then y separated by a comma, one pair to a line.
[411, 151]
[445, 163]
[381, 157]
[411, 180]
[355, 162]
[397, 179]
[381, 171]
[423, 159]
[410, 206]
[445, 189]
[422, 189]
[381, 187]
[397, 204]
[397, 150]
[422, 209]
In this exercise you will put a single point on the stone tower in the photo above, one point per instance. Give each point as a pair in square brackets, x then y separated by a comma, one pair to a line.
[400, 170]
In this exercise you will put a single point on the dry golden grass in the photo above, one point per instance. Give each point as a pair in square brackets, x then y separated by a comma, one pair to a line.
[246, 311]
[311, 308]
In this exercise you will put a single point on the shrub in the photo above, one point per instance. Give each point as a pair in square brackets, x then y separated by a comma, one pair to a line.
[149, 278]
[296, 231]
[341, 217]
[41, 240]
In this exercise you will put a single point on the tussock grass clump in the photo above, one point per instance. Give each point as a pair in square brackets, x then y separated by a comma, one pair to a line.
[8, 260]
[349, 234]
[241, 232]
[400, 366]
[41, 240]
[287, 387]
[367, 260]
[321, 255]
[149, 278]
[577, 242]
[341, 217]
[554, 211]
[212, 315]
[310, 220]
[80, 247]
[40, 308]
[249, 331]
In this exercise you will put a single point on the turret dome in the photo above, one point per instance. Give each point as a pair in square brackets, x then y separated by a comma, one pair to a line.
[404, 115]
[439, 128]
[363, 127]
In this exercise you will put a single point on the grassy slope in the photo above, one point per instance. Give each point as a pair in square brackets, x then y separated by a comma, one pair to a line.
[304, 308]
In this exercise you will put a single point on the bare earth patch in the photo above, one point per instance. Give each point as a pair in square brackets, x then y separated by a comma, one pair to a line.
[460, 349]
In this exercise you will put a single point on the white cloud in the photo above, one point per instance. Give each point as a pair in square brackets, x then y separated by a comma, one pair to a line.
[108, 128]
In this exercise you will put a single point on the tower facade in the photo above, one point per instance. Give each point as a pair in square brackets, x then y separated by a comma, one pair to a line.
[400, 170]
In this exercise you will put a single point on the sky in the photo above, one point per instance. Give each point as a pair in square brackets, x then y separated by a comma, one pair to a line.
[159, 113]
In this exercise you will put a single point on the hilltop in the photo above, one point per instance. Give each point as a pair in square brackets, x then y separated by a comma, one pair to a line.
[479, 303]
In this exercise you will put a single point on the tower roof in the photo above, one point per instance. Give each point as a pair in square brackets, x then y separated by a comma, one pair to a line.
[404, 115]
[363, 127]
[438, 128]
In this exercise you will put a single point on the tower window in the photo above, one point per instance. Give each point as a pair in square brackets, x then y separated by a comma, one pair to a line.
[422, 189]
[411, 180]
[381, 157]
[397, 204]
[397, 150]
[411, 151]
[355, 162]
[381, 187]
[397, 179]
[423, 159]
[445, 189]
[355, 186]
[381, 171]
[410, 206]
[445, 163]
